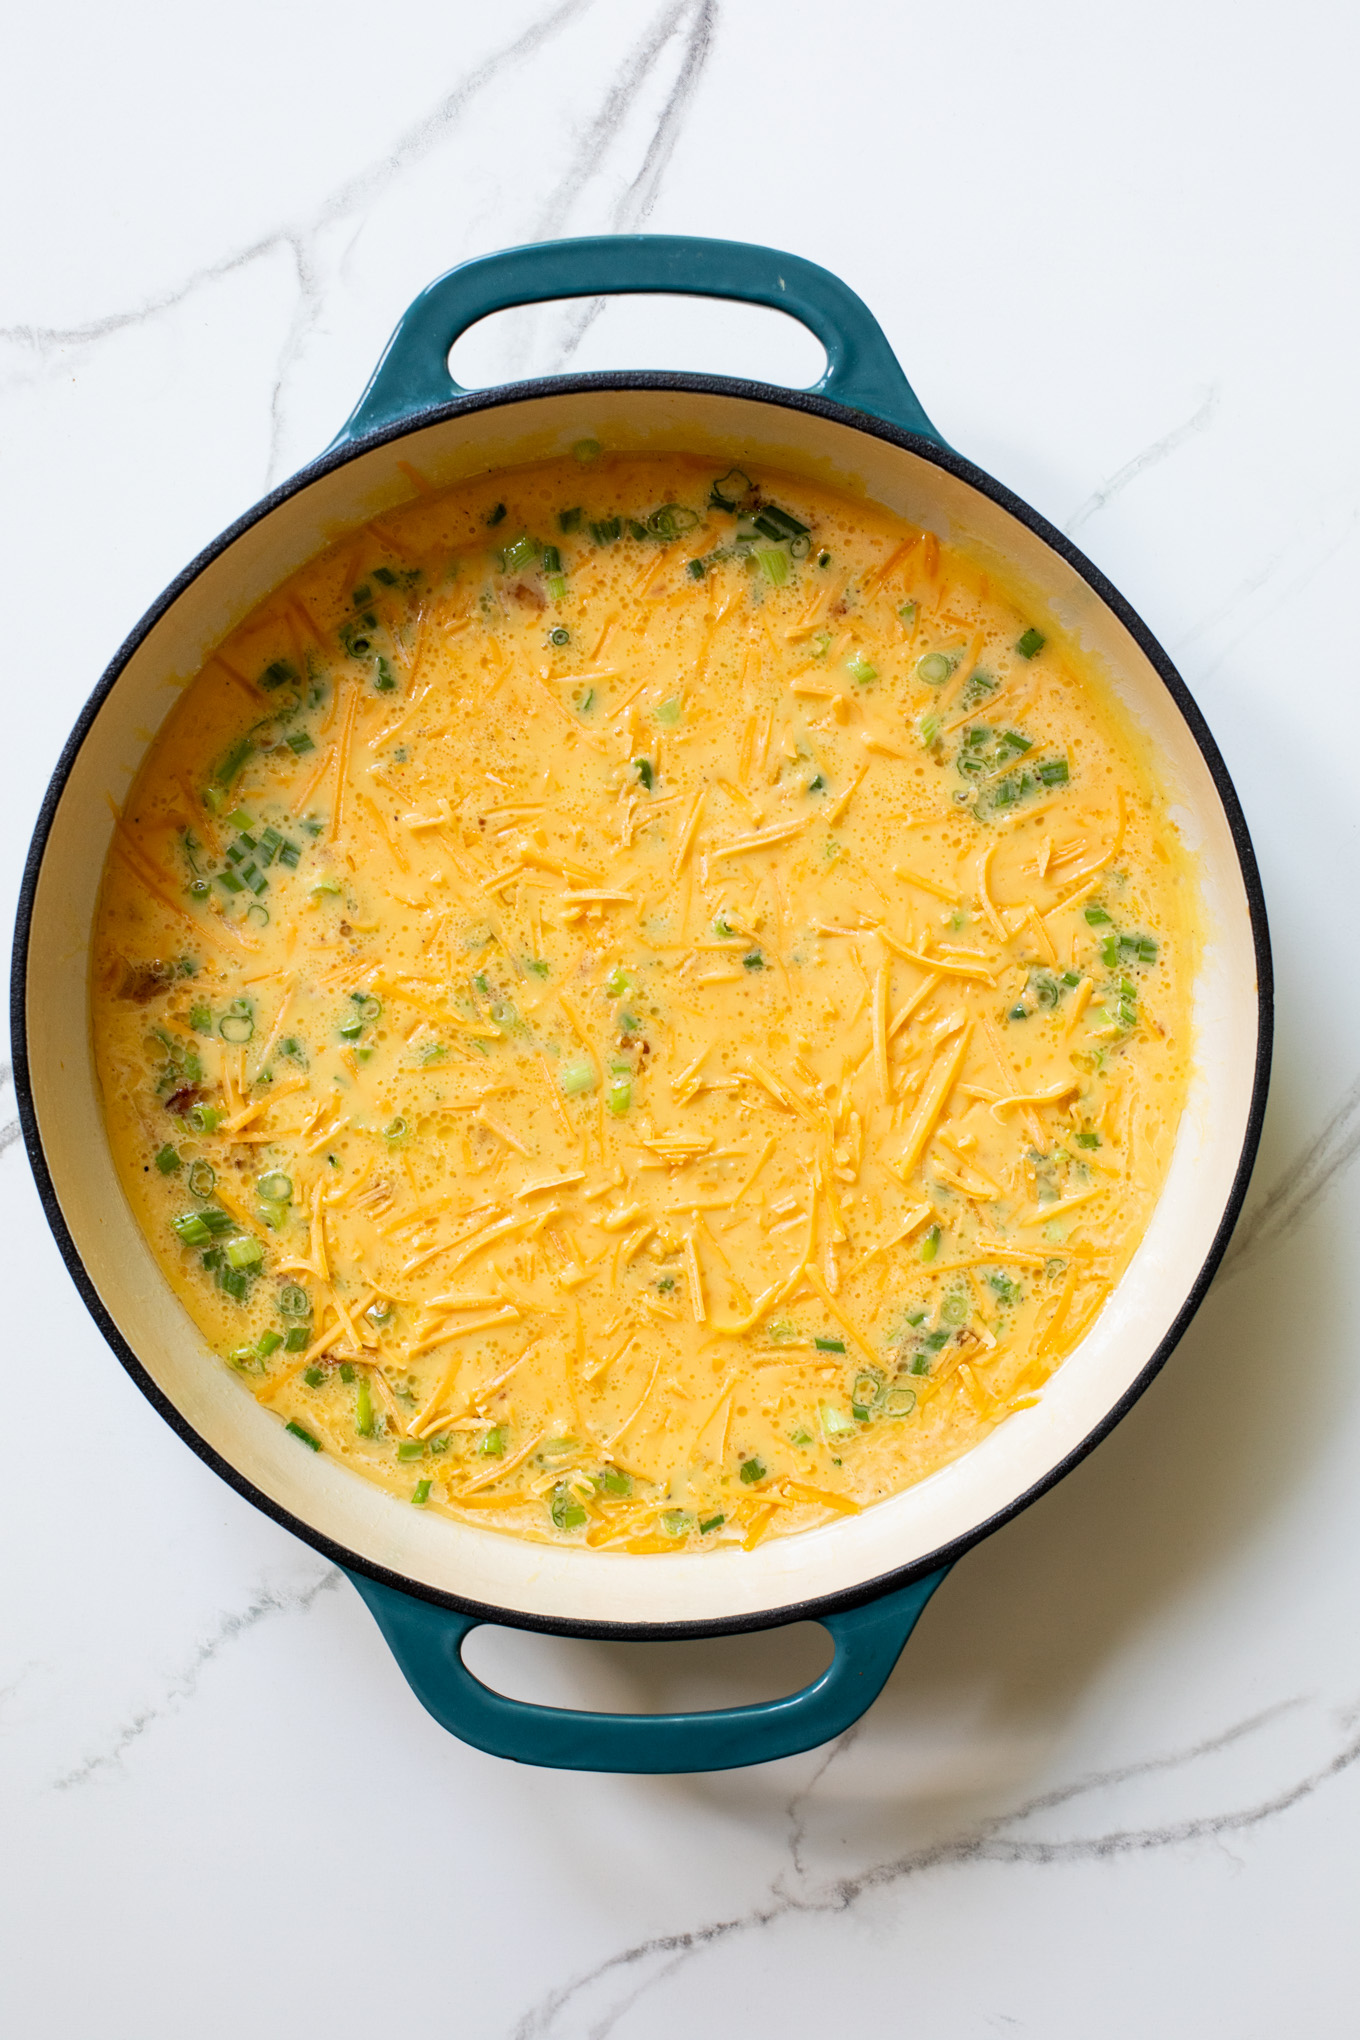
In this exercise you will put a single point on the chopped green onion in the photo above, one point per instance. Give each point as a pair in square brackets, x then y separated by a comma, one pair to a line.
[299, 743]
[297, 1340]
[753, 960]
[268, 1342]
[314, 1444]
[606, 530]
[643, 768]
[167, 1161]
[395, 1131]
[200, 1019]
[364, 1422]
[497, 515]
[619, 1095]
[773, 522]
[229, 765]
[552, 560]
[518, 553]
[420, 1493]
[586, 450]
[865, 1394]
[711, 1523]
[202, 1179]
[244, 1252]
[206, 1118]
[829, 1345]
[930, 1245]
[586, 702]
[611, 1482]
[729, 489]
[671, 519]
[667, 712]
[676, 1522]
[695, 569]
[314, 1376]
[899, 1402]
[907, 614]
[752, 1470]
[191, 1229]
[1029, 643]
[411, 1448]
[1053, 772]
[860, 669]
[236, 1028]
[618, 982]
[934, 668]
[569, 520]
[275, 1188]
[1097, 916]
[493, 1444]
[566, 1510]
[577, 1076]
[294, 1301]
[835, 1423]
[773, 564]
[560, 636]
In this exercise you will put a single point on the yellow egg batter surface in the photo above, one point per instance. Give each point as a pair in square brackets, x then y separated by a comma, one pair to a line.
[649, 1005]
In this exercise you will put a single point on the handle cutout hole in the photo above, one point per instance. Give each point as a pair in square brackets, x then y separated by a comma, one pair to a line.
[648, 1678]
[698, 336]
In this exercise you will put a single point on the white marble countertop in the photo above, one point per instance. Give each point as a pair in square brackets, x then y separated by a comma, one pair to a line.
[1111, 1786]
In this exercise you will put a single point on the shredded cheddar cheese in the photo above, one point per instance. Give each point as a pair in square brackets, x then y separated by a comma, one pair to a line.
[657, 1103]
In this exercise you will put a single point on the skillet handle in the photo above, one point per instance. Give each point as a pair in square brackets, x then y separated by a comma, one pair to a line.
[413, 374]
[427, 1644]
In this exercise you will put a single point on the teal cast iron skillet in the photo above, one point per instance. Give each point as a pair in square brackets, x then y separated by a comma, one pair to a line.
[429, 1581]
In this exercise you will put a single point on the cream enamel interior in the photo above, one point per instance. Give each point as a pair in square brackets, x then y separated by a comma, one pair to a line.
[571, 1583]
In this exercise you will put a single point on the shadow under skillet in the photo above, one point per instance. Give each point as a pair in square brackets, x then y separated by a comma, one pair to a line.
[1028, 1621]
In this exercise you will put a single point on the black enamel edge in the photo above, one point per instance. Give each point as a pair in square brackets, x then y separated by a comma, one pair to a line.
[938, 456]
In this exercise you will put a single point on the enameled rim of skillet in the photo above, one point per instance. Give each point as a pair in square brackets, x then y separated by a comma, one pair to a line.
[859, 421]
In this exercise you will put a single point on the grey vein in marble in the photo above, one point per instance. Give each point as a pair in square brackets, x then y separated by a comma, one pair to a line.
[1309, 550]
[359, 190]
[362, 189]
[693, 20]
[10, 1130]
[696, 20]
[18, 1682]
[1293, 1196]
[268, 1602]
[1141, 462]
[989, 1842]
[796, 1815]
